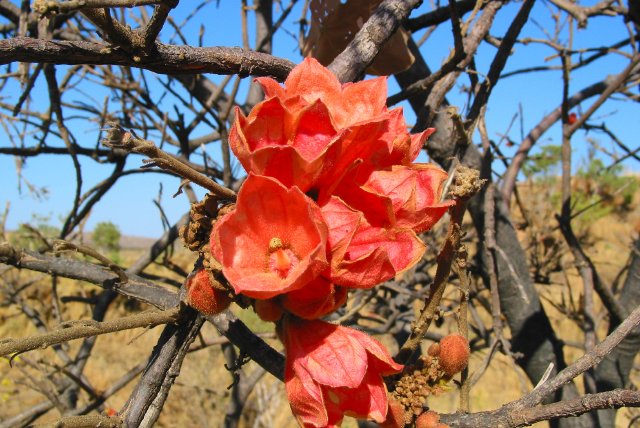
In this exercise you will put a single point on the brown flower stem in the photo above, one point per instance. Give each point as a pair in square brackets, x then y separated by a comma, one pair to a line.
[466, 184]
[118, 138]
[79, 329]
[445, 259]
[460, 268]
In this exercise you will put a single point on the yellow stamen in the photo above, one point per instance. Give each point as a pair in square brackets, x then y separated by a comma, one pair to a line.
[275, 244]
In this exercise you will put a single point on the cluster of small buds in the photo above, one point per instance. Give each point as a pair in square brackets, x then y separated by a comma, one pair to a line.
[429, 377]
[46, 6]
[416, 385]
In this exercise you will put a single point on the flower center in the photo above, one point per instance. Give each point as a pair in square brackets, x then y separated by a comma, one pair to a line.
[281, 260]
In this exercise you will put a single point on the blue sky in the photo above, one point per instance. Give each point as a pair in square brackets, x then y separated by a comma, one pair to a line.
[130, 204]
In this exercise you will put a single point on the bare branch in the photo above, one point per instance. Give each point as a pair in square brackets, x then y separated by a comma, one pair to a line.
[72, 330]
[380, 26]
[167, 59]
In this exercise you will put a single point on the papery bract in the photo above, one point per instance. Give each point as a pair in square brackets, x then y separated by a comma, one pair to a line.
[287, 145]
[273, 242]
[332, 371]
[268, 310]
[363, 255]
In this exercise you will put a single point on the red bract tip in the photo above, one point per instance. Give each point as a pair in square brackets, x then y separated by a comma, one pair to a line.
[315, 300]
[268, 310]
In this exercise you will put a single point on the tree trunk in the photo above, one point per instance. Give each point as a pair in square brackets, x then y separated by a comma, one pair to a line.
[613, 371]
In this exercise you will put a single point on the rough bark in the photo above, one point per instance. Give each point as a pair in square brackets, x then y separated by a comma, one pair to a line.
[613, 371]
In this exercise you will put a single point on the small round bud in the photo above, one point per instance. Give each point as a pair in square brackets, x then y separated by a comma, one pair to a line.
[428, 419]
[434, 350]
[203, 296]
[454, 354]
[395, 415]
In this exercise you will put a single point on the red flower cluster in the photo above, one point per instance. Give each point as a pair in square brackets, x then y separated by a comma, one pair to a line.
[332, 201]
[332, 371]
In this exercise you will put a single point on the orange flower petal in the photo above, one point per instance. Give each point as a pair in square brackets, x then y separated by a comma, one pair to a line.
[362, 255]
[413, 192]
[319, 387]
[315, 300]
[242, 240]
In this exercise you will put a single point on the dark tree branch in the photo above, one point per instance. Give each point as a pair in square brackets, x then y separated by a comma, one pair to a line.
[148, 398]
[167, 59]
[438, 16]
[506, 417]
[511, 175]
[135, 287]
[531, 330]
[79, 329]
[613, 372]
[582, 364]
[500, 59]
[362, 50]
[146, 291]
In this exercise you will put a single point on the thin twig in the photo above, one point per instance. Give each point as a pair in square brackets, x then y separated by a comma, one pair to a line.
[72, 330]
[118, 138]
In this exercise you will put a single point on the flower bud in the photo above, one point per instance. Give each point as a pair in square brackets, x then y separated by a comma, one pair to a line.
[434, 350]
[203, 296]
[395, 415]
[428, 420]
[454, 354]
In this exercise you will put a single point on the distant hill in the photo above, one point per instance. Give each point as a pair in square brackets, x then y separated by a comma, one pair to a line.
[127, 242]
